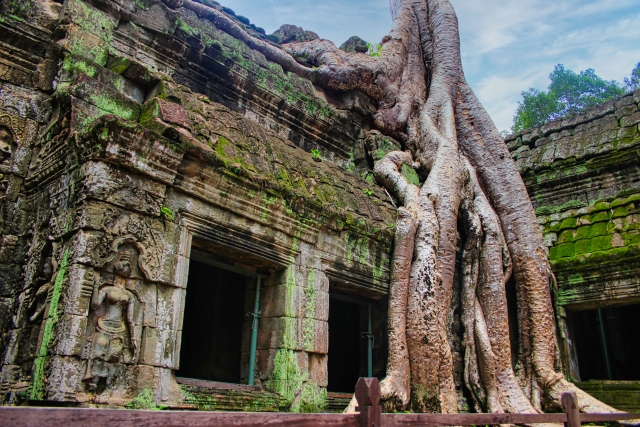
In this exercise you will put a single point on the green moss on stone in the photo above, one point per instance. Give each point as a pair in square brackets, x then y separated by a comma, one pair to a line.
[167, 213]
[144, 400]
[48, 334]
[570, 222]
[583, 246]
[601, 243]
[599, 229]
[411, 175]
[566, 236]
[565, 250]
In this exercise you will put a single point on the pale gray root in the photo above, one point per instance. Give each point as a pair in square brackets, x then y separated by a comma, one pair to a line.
[396, 385]
[495, 270]
[470, 273]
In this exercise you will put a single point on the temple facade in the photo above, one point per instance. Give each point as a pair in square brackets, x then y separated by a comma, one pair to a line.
[185, 224]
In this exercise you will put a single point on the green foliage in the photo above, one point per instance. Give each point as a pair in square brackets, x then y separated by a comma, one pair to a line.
[369, 193]
[375, 49]
[633, 82]
[567, 93]
[243, 19]
[315, 154]
[167, 213]
[144, 400]
[534, 110]
[576, 92]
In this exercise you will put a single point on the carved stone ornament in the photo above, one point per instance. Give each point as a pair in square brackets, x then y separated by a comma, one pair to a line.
[8, 142]
[115, 319]
[40, 298]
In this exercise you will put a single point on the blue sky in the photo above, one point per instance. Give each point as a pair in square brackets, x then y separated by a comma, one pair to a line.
[507, 45]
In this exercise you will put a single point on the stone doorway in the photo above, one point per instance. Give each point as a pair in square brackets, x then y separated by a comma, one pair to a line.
[355, 324]
[608, 343]
[214, 330]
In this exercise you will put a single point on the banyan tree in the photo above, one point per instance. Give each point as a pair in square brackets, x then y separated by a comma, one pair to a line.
[470, 187]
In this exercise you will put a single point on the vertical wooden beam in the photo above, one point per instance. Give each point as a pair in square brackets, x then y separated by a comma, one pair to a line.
[570, 406]
[368, 398]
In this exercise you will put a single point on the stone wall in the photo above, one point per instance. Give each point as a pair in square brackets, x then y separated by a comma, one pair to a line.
[583, 177]
[130, 131]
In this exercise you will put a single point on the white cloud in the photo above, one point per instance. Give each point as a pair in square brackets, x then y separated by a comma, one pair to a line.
[508, 48]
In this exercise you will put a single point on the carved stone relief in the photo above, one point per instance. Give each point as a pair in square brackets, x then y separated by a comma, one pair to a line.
[115, 320]
[38, 303]
[7, 147]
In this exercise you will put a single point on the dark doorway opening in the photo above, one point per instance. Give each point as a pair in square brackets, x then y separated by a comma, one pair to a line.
[349, 341]
[608, 342]
[212, 332]
[512, 315]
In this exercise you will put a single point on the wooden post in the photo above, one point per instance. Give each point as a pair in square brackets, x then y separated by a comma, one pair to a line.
[570, 406]
[368, 397]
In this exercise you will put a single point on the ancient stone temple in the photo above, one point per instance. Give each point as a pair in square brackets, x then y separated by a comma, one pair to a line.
[182, 222]
[583, 177]
[146, 153]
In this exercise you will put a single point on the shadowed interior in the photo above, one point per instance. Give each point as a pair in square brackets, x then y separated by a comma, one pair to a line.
[213, 319]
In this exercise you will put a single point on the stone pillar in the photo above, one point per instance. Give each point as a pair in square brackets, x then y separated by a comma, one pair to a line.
[293, 339]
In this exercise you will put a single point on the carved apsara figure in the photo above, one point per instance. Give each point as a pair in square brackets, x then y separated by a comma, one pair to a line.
[6, 153]
[114, 333]
[39, 302]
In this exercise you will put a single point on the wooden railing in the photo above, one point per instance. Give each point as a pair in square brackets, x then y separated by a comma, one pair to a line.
[367, 395]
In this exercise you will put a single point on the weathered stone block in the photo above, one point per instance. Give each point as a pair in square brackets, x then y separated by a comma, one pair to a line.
[18, 347]
[320, 337]
[9, 375]
[149, 295]
[166, 111]
[105, 98]
[624, 101]
[158, 18]
[280, 332]
[66, 374]
[601, 110]
[158, 348]
[30, 104]
[626, 110]
[83, 113]
[318, 371]
[141, 150]
[181, 272]
[7, 248]
[71, 333]
[74, 65]
[88, 18]
[9, 279]
[170, 307]
[282, 300]
[80, 42]
[125, 189]
[82, 246]
[6, 305]
[79, 290]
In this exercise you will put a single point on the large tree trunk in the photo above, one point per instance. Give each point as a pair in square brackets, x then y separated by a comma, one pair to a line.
[447, 136]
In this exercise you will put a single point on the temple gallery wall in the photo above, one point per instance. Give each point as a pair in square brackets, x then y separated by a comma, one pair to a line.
[184, 222]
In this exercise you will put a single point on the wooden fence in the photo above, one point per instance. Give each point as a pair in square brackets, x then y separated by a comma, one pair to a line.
[367, 395]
